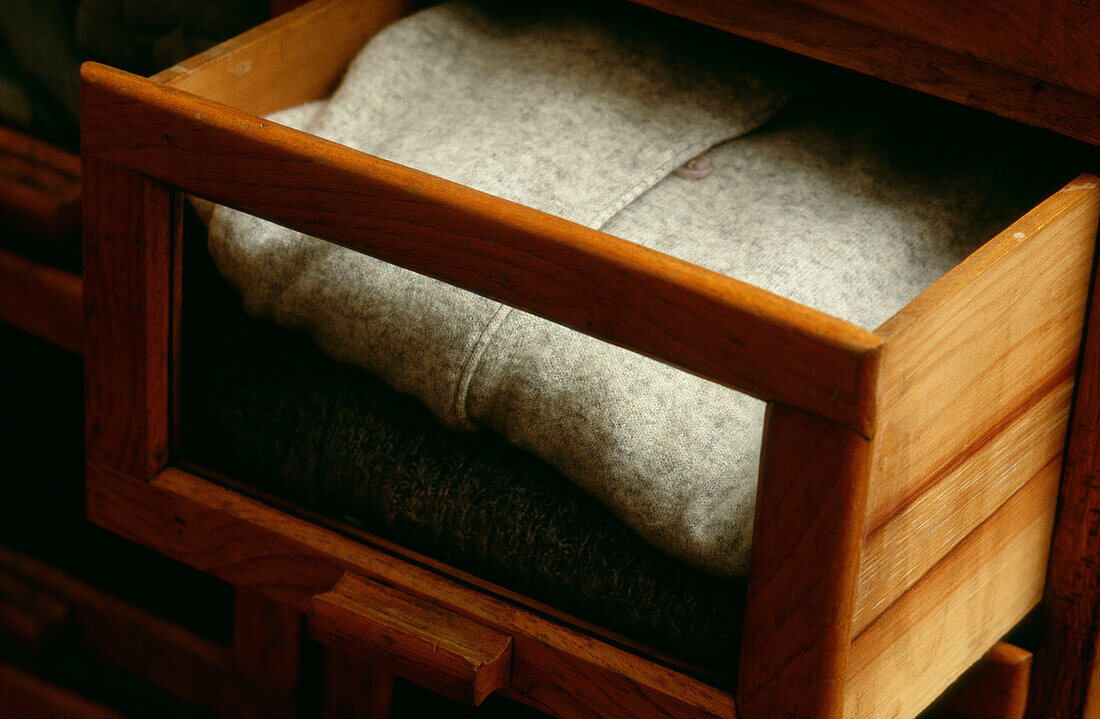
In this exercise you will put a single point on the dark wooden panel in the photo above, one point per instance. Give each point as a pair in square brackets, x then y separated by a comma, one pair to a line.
[127, 226]
[950, 50]
[43, 301]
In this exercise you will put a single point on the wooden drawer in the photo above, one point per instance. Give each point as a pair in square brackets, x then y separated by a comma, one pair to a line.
[934, 443]
[1033, 61]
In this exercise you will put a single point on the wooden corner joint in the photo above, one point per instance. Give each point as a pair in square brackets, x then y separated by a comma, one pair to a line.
[448, 653]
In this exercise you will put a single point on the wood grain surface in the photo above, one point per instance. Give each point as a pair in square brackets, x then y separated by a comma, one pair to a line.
[354, 689]
[294, 58]
[975, 381]
[1033, 61]
[975, 348]
[127, 232]
[924, 641]
[1066, 677]
[39, 187]
[41, 300]
[26, 696]
[416, 640]
[906, 546]
[111, 630]
[810, 510]
[266, 657]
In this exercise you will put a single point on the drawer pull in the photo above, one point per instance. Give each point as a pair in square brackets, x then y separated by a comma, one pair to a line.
[443, 651]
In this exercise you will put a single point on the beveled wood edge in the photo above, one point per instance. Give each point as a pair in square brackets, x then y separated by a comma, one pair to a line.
[44, 301]
[799, 608]
[874, 51]
[755, 341]
[1083, 188]
[251, 545]
[319, 38]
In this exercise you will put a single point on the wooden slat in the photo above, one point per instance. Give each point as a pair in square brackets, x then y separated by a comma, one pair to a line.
[317, 40]
[25, 696]
[41, 300]
[266, 657]
[29, 617]
[462, 577]
[436, 648]
[354, 689]
[127, 225]
[148, 647]
[39, 187]
[975, 348]
[982, 64]
[994, 688]
[699, 320]
[897, 553]
[808, 530]
[927, 639]
[248, 544]
[1067, 663]
[1051, 42]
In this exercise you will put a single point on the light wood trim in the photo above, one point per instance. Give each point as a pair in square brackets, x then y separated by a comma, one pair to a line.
[1066, 679]
[979, 67]
[293, 58]
[897, 553]
[976, 346]
[808, 530]
[994, 688]
[42, 300]
[248, 544]
[704, 322]
[25, 696]
[436, 648]
[127, 220]
[915, 649]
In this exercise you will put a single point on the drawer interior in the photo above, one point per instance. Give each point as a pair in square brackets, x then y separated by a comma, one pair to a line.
[915, 348]
[248, 389]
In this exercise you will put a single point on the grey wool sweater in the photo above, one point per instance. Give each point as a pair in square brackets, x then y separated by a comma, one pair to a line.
[587, 116]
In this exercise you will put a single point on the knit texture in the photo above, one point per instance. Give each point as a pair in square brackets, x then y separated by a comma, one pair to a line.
[583, 119]
[267, 408]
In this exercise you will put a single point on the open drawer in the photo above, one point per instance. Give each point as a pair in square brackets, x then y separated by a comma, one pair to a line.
[909, 475]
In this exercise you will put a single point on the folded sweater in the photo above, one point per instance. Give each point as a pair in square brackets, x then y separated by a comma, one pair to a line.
[586, 115]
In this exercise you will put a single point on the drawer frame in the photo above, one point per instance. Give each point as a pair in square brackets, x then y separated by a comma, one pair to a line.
[921, 551]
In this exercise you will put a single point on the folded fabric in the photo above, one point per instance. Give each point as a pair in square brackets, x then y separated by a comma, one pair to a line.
[586, 115]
